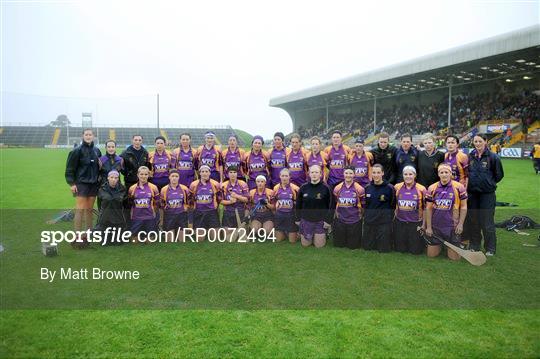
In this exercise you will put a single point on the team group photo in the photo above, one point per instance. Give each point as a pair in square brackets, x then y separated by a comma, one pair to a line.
[283, 180]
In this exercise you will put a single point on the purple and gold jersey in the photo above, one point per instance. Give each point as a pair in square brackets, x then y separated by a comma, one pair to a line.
[459, 163]
[205, 196]
[256, 165]
[174, 200]
[410, 202]
[277, 160]
[255, 196]
[185, 163]
[446, 201]
[210, 157]
[349, 200]
[297, 164]
[284, 198]
[233, 158]
[337, 160]
[362, 167]
[161, 163]
[144, 200]
[317, 159]
[239, 187]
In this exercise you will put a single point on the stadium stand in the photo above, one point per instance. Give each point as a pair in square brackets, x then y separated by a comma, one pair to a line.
[41, 136]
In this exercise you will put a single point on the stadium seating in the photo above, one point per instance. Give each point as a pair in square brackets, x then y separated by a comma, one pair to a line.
[40, 136]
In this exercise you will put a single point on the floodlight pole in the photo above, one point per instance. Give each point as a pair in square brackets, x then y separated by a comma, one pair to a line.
[158, 130]
[449, 103]
[374, 115]
[326, 116]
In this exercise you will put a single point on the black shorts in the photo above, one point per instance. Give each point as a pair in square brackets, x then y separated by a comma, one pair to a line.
[347, 234]
[173, 221]
[284, 222]
[263, 216]
[206, 219]
[377, 237]
[229, 218]
[87, 190]
[407, 239]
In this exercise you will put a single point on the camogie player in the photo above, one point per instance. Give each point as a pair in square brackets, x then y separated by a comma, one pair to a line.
[184, 159]
[446, 209]
[380, 205]
[349, 198]
[337, 156]
[315, 156]
[277, 158]
[233, 157]
[410, 202]
[210, 155]
[206, 196]
[361, 161]
[144, 197]
[457, 160]
[284, 200]
[235, 194]
[174, 202]
[256, 162]
[297, 161]
[82, 175]
[160, 160]
[314, 209]
[261, 202]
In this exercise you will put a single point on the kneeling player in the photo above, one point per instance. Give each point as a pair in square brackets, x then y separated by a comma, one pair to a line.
[174, 201]
[235, 194]
[410, 198]
[314, 209]
[284, 199]
[260, 199]
[349, 196]
[206, 194]
[144, 197]
[446, 209]
[380, 204]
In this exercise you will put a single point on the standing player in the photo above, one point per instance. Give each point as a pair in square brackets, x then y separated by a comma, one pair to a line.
[144, 197]
[174, 201]
[206, 196]
[233, 156]
[349, 197]
[316, 156]
[110, 161]
[260, 199]
[184, 159]
[535, 155]
[314, 209]
[235, 194]
[385, 155]
[485, 171]
[134, 157]
[284, 201]
[406, 155]
[297, 161]
[210, 155]
[410, 200]
[256, 162]
[428, 161]
[446, 209]
[337, 156]
[361, 161]
[82, 174]
[457, 160]
[277, 158]
[161, 162]
[380, 205]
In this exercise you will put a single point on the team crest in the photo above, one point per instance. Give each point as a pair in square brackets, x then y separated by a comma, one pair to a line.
[382, 198]
[318, 196]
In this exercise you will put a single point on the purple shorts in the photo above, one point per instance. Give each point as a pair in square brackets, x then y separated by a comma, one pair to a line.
[263, 216]
[309, 229]
[147, 225]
